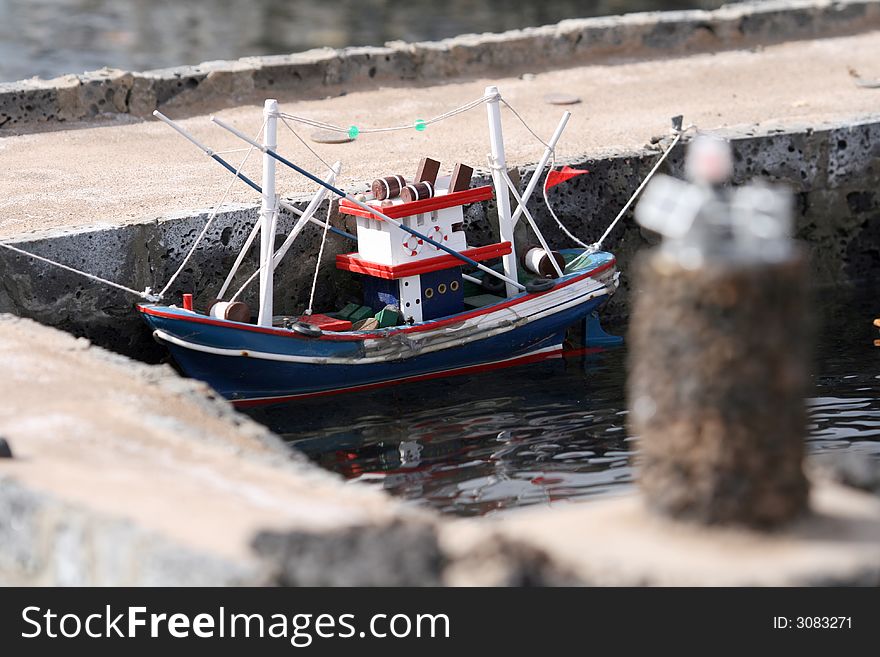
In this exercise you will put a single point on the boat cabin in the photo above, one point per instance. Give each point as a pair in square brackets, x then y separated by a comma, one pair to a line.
[404, 271]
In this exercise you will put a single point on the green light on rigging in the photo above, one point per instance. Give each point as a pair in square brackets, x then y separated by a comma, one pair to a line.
[353, 132]
[420, 125]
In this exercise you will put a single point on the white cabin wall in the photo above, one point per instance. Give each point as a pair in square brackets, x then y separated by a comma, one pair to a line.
[411, 298]
[383, 243]
[374, 243]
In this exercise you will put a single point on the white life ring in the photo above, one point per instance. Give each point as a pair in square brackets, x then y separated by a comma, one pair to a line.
[436, 233]
[413, 244]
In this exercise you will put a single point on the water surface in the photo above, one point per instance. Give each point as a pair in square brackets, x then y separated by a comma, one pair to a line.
[555, 431]
[48, 38]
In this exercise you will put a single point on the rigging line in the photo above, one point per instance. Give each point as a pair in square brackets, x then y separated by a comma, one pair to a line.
[239, 259]
[306, 215]
[441, 117]
[598, 245]
[229, 150]
[250, 280]
[312, 122]
[303, 142]
[523, 121]
[211, 218]
[253, 276]
[464, 108]
[318, 266]
[552, 150]
[531, 220]
[146, 294]
[550, 208]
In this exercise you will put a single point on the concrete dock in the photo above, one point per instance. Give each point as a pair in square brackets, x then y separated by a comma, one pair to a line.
[125, 473]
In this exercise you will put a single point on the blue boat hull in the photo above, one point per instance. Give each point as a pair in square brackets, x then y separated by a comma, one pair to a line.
[250, 364]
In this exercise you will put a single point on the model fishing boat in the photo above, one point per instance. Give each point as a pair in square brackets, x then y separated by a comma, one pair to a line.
[433, 303]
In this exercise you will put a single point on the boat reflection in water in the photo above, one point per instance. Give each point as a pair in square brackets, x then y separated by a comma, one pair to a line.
[477, 444]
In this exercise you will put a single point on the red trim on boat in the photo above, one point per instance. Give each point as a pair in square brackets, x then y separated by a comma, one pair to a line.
[202, 319]
[470, 369]
[427, 326]
[582, 351]
[455, 319]
[399, 210]
[325, 322]
[352, 262]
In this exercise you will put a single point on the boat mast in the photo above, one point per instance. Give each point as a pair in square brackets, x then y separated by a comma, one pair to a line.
[370, 208]
[502, 197]
[267, 214]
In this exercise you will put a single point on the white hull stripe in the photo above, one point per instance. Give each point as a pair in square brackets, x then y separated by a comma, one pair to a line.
[397, 349]
[486, 325]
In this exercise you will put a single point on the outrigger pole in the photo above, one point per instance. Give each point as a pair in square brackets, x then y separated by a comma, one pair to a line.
[226, 165]
[295, 231]
[539, 169]
[342, 194]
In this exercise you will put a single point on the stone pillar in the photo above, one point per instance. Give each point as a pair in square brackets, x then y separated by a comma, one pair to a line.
[719, 368]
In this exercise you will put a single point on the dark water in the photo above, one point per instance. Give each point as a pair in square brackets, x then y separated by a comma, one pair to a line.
[48, 38]
[554, 431]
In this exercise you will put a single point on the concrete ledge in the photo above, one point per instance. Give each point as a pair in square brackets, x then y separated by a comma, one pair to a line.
[125, 473]
[619, 543]
[48, 541]
[29, 104]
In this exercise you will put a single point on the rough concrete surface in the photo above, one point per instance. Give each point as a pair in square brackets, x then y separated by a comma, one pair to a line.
[618, 542]
[127, 473]
[213, 85]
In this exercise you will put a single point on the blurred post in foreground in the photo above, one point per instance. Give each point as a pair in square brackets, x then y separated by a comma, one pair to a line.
[719, 349]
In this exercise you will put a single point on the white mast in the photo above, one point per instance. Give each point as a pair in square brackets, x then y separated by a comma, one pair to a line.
[505, 225]
[267, 214]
